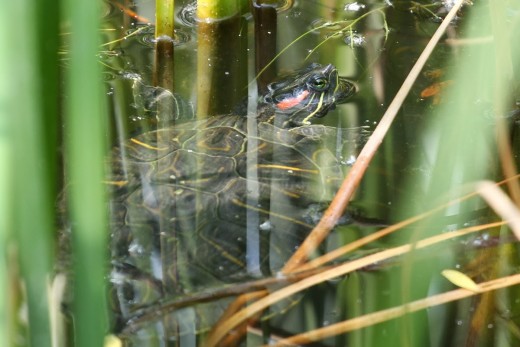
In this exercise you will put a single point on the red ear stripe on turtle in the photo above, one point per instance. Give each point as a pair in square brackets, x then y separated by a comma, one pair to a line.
[291, 102]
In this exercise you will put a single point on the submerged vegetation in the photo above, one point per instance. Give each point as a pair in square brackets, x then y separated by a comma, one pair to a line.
[432, 256]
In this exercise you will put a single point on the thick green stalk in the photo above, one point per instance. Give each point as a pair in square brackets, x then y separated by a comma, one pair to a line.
[164, 18]
[85, 144]
[30, 204]
[209, 10]
[5, 171]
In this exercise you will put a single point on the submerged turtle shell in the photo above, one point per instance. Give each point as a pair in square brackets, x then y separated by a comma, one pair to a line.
[197, 194]
[225, 199]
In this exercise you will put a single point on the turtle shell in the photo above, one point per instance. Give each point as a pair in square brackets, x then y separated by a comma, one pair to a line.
[218, 201]
[226, 199]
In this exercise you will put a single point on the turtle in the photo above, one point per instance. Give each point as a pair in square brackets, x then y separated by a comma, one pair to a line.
[228, 198]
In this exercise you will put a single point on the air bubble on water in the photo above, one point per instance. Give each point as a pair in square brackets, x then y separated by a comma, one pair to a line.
[354, 7]
[136, 118]
[266, 226]
[131, 76]
[349, 161]
[135, 248]
[117, 277]
[354, 40]
[459, 322]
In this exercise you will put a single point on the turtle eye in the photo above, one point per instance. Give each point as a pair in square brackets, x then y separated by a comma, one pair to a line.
[319, 84]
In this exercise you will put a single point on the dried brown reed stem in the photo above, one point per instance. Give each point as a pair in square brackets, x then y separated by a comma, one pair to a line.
[131, 13]
[501, 204]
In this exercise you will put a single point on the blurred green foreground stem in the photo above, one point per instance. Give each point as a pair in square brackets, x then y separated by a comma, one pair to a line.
[85, 150]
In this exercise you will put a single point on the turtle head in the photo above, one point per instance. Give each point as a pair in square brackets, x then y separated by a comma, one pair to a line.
[307, 94]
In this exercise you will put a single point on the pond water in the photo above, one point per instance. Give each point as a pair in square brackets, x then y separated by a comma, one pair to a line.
[190, 231]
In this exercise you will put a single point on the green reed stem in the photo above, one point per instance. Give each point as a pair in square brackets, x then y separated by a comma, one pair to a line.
[164, 18]
[209, 10]
[5, 172]
[85, 150]
[28, 202]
